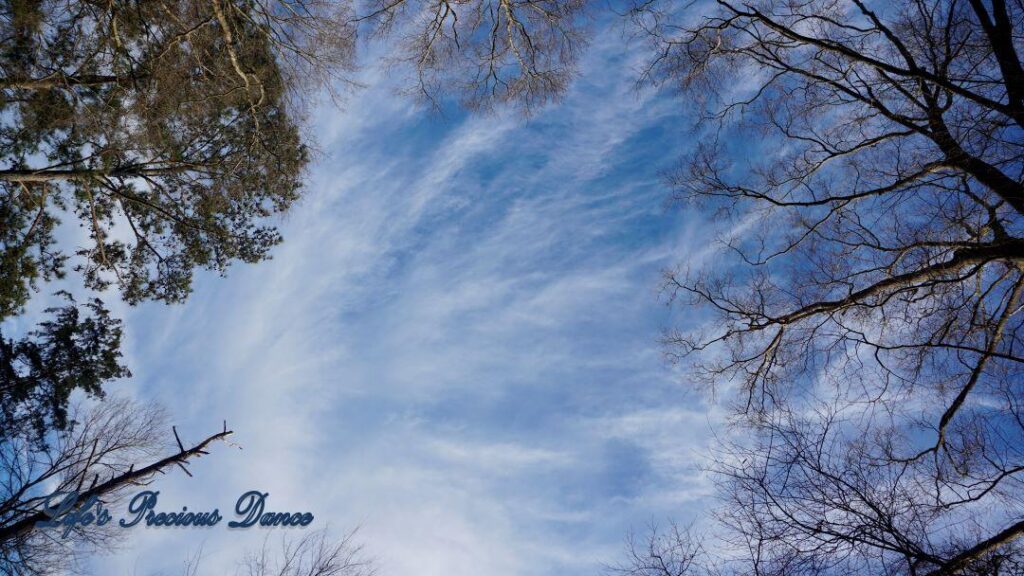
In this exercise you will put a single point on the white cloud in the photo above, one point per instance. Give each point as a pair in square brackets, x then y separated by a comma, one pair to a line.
[456, 347]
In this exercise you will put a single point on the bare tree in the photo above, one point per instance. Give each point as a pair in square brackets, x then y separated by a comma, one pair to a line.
[484, 52]
[677, 551]
[312, 554]
[108, 448]
[866, 157]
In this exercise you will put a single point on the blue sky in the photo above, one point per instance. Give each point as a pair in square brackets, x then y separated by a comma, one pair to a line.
[455, 349]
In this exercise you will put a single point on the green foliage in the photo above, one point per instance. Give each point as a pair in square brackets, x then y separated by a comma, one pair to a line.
[77, 348]
[169, 132]
[21, 261]
[166, 129]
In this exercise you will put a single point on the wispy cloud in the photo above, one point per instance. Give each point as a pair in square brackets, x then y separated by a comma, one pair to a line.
[456, 347]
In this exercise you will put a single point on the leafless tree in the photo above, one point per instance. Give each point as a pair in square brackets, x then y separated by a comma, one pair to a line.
[866, 160]
[678, 551]
[312, 554]
[109, 448]
[484, 52]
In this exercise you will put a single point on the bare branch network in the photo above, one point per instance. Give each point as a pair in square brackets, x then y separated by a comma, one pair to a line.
[111, 447]
[865, 161]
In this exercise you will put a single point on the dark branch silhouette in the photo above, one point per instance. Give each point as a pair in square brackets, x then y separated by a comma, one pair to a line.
[865, 162]
[107, 449]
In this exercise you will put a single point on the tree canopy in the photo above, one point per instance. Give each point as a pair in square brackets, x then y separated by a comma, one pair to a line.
[170, 132]
[167, 129]
[867, 158]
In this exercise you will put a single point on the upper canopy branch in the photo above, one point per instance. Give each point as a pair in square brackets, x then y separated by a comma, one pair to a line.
[1010, 251]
